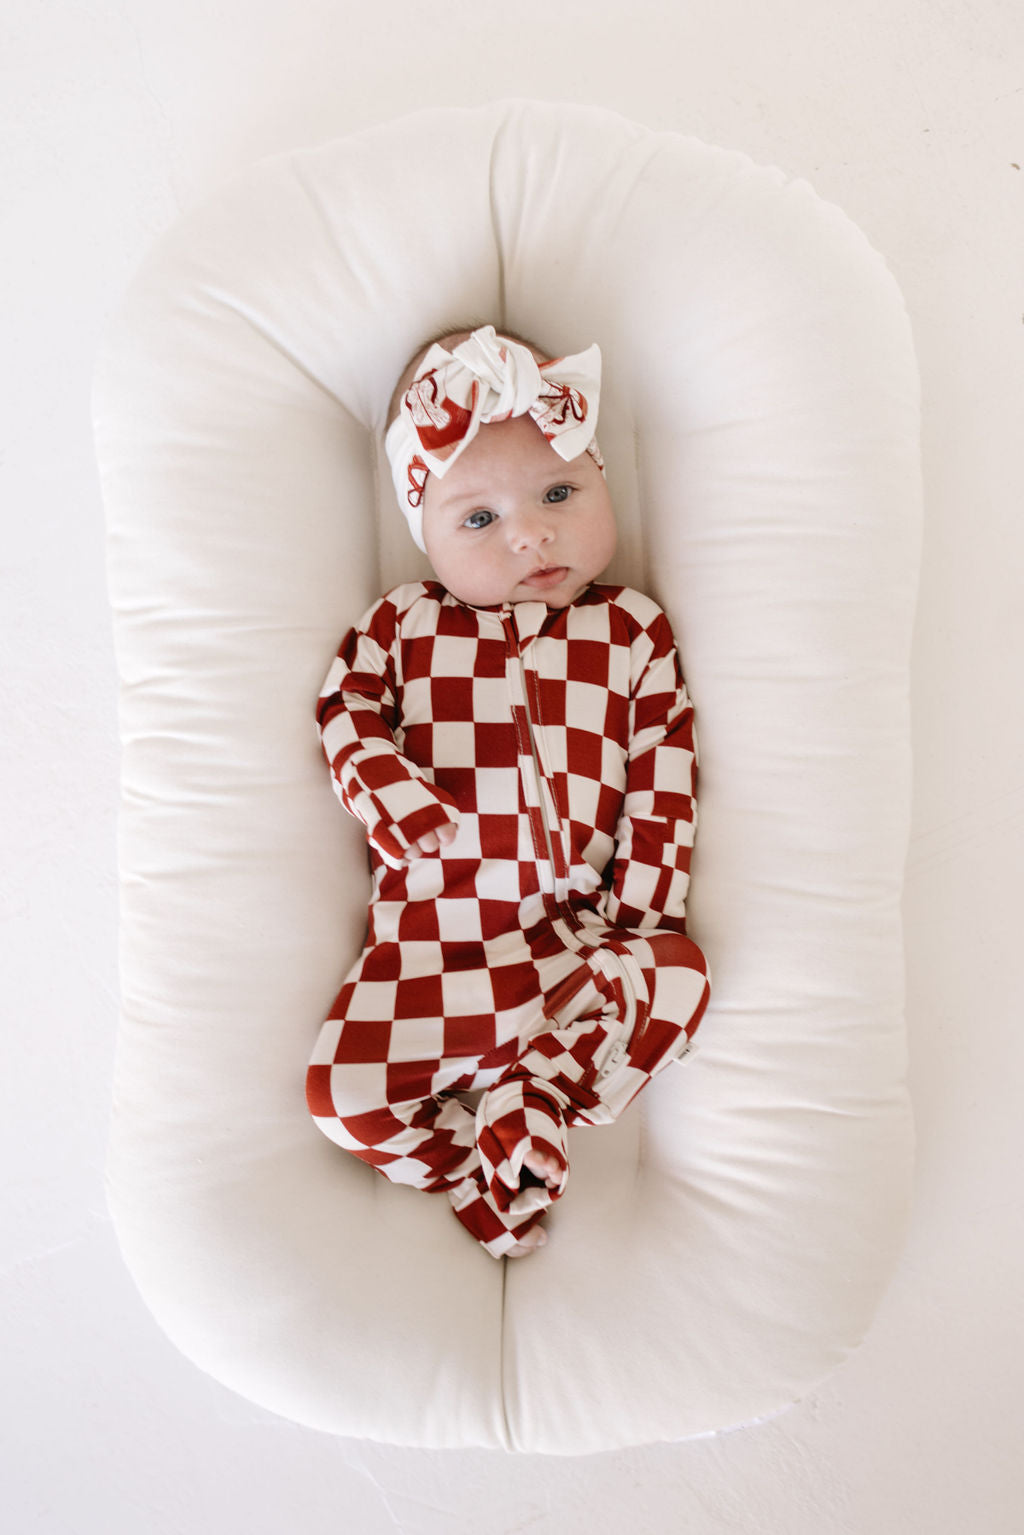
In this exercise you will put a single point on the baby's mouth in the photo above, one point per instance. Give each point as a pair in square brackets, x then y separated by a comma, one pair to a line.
[546, 575]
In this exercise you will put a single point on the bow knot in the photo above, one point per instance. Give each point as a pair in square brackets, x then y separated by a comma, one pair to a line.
[487, 378]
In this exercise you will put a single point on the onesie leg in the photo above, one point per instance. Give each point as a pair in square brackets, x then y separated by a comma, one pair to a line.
[662, 979]
[384, 1089]
[521, 1116]
[636, 1011]
[528, 1111]
[524, 1116]
[427, 1141]
[655, 988]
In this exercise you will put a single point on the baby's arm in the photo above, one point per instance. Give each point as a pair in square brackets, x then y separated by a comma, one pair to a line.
[405, 815]
[654, 837]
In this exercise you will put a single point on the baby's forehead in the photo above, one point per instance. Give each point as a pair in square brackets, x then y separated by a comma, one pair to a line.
[503, 455]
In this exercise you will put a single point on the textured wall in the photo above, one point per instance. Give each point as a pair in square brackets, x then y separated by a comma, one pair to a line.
[117, 115]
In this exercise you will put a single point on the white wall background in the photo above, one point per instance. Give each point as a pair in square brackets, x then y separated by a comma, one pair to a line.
[116, 115]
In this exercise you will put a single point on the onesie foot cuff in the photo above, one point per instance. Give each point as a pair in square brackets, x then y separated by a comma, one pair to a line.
[476, 1212]
[513, 1119]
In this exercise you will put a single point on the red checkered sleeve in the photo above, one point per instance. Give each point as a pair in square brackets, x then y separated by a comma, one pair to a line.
[654, 837]
[357, 717]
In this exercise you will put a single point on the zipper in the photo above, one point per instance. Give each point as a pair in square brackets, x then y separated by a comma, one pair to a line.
[538, 773]
[542, 787]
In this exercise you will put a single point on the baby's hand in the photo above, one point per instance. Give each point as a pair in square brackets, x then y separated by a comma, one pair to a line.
[431, 841]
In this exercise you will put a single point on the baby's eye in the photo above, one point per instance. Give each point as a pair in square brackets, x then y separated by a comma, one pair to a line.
[559, 493]
[480, 519]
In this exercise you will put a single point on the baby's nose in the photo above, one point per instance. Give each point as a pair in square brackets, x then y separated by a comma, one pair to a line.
[531, 530]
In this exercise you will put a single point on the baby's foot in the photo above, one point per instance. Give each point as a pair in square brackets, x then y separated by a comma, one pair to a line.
[528, 1243]
[544, 1166]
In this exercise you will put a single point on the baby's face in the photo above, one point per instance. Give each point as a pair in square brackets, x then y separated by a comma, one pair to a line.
[513, 522]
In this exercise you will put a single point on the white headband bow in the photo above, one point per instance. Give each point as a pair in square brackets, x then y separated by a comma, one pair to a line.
[487, 378]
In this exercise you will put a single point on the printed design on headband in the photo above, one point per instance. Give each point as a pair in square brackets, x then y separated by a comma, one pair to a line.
[440, 421]
[418, 473]
[557, 406]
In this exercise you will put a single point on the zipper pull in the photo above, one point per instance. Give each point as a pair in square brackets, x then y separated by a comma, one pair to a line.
[508, 623]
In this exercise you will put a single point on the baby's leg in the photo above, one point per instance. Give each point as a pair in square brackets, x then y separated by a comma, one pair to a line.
[521, 1122]
[381, 1086]
[661, 979]
[639, 1003]
[390, 1115]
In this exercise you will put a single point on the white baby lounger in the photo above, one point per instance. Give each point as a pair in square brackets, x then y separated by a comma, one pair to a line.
[723, 1246]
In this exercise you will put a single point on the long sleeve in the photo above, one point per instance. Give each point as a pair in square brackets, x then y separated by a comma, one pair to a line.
[357, 718]
[654, 838]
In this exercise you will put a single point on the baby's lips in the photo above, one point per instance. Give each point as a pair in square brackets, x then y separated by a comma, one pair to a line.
[546, 575]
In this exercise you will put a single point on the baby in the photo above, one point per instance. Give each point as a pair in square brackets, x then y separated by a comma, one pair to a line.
[517, 741]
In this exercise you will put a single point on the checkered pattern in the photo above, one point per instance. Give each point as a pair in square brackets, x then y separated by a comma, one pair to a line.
[560, 744]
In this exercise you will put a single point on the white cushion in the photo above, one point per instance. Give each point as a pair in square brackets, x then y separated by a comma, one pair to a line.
[724, 1245]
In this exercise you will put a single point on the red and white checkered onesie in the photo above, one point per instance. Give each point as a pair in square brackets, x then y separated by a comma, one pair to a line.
[542, 955]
